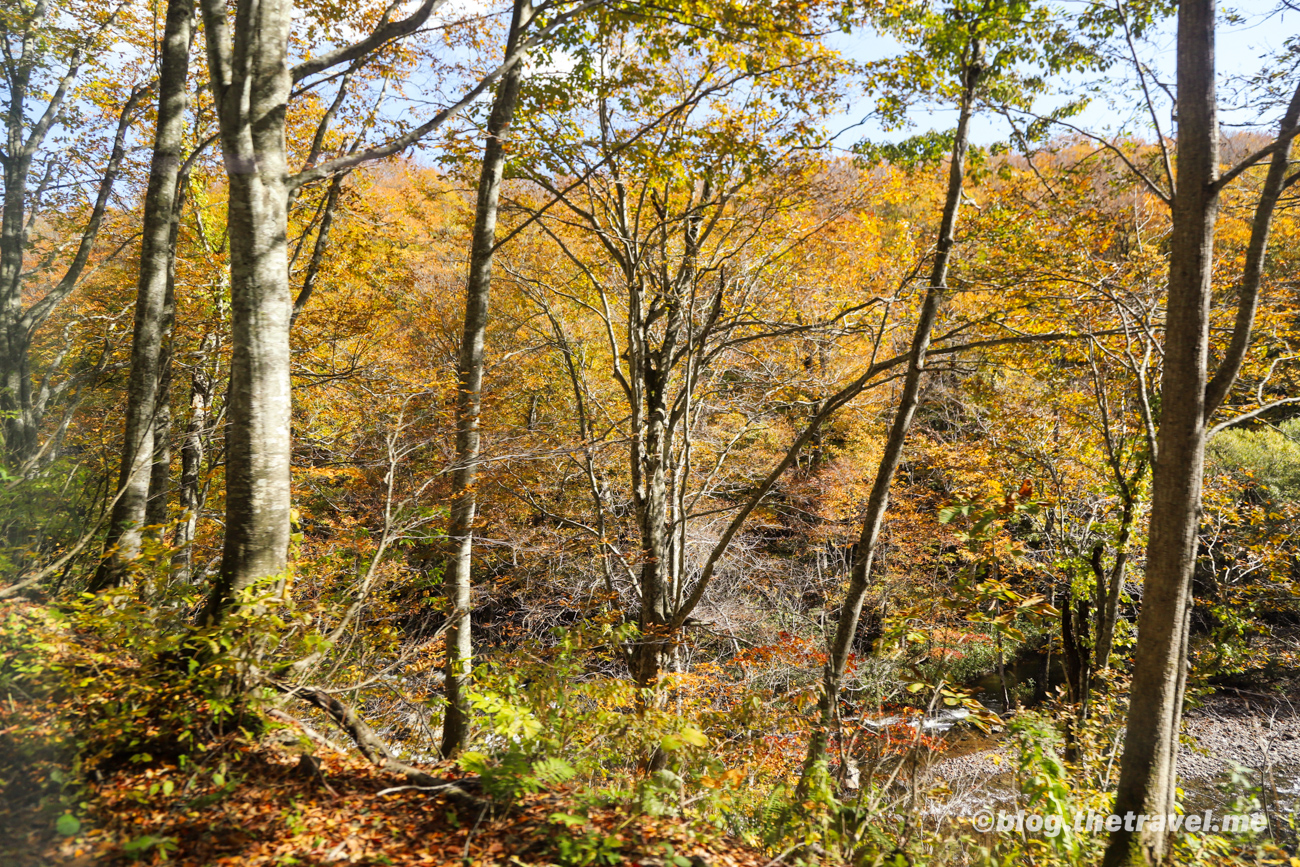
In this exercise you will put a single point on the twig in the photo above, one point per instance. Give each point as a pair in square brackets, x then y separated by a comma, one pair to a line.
[442, 787]
[307, 730]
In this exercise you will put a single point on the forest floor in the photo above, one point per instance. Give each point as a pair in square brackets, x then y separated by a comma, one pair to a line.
[242, 801]
[274, 809]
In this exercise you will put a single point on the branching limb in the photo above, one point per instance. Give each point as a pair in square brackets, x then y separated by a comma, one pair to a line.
[399, 144]
[369, 744]
[1247, 416]
[1256, 253]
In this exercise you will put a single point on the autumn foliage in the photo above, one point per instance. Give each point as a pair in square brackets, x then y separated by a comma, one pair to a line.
[703, 315]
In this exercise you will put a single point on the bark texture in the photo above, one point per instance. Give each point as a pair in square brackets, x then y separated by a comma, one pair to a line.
[459, 665]
[251, 82]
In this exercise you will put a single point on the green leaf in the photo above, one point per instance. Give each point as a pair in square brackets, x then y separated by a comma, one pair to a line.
[553, 770]
[67, 825]
[473, 762]
[694, 737]
[568, 820]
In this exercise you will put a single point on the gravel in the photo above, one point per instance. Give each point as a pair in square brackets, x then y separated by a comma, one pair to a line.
[1258, 733]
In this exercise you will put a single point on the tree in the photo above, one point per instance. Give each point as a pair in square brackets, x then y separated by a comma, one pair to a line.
[676, 224]
[1148, 771]
[977, 47]
[469, 388]
[252, 82]
[146, 395]
[45, 56]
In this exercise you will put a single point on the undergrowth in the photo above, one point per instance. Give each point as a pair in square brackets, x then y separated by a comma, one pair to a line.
[128, 734]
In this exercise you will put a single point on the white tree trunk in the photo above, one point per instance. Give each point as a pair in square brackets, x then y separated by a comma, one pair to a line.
[251, 84]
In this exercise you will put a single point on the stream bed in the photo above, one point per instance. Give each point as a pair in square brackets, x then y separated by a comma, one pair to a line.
[1231, 747]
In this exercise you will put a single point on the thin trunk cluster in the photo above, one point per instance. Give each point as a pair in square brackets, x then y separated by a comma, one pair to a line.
[660, 434]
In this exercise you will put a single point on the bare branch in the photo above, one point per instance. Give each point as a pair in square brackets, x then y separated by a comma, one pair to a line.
[1146, 94]
[831, 405]
[1256, 253]
[1247, 416]
[397, 145]
[41, 309]
[387, 31]
[1282, 142]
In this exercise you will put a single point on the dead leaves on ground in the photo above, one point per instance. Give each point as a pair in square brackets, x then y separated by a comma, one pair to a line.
[272, 810]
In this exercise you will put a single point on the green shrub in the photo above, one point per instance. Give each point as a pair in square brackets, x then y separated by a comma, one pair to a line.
[1271, 457]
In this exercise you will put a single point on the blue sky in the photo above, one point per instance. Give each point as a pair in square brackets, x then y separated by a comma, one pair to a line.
[1242, 50]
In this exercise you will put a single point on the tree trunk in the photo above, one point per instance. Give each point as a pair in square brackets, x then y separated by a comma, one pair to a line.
[251, 83]
[15, 381]
[1077, 655]
[656, 418]
[328, 208]
[155, 513]
[655, 646]
[146, 397]
[20, 428]
[15, 386]
[1109, 590]
[190, 493]
[878, 501]
[459, 666]
[160, 472]
[1148, 770]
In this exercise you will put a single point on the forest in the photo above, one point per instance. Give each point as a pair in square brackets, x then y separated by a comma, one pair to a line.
[678, 433]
